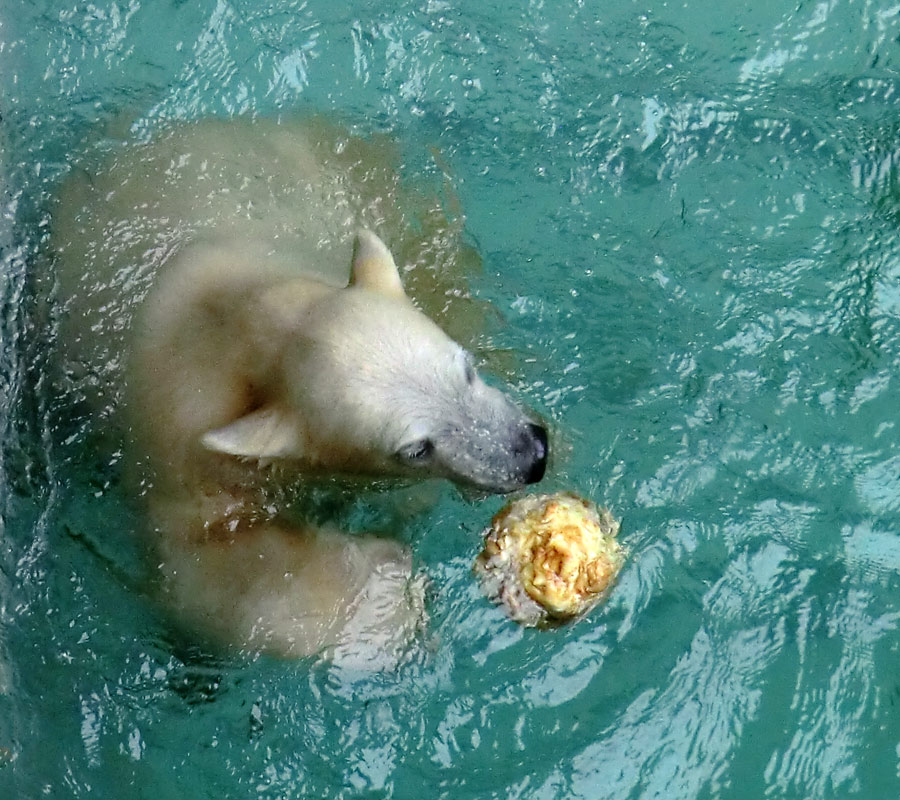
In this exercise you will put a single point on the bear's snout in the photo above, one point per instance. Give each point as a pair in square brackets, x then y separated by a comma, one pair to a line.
[535, 444]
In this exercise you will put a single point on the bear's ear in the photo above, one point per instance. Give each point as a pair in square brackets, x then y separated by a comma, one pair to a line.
[373, 266]
[264, 434]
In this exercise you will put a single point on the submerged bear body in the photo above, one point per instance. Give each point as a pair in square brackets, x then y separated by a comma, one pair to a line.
[266, 335]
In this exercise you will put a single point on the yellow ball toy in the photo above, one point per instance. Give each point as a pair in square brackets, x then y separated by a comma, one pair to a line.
[550, 558]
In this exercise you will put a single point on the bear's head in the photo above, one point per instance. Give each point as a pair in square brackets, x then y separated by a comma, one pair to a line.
[366, 383]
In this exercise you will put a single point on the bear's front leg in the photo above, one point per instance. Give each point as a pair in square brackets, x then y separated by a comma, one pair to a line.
[298, 592]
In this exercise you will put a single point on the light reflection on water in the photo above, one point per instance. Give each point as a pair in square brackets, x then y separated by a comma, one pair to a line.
[690, 228]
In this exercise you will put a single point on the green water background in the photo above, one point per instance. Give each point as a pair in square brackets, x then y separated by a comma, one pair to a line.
[688, 217]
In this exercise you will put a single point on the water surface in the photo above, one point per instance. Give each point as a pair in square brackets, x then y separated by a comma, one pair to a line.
[688, 220]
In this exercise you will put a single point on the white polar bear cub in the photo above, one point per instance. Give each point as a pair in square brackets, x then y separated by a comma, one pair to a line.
[231, 360]
[241, 356]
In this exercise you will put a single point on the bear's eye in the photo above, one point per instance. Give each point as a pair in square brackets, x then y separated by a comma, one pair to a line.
[470, 371]
[417, 452]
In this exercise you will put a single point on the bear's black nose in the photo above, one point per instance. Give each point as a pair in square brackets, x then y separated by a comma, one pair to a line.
[538, 435]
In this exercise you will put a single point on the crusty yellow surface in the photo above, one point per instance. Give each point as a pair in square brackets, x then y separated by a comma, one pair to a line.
[550, 557]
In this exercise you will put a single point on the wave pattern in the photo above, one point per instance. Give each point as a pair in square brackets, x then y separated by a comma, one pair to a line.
[690, 227]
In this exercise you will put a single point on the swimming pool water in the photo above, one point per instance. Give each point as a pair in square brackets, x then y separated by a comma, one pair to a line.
[688, 218]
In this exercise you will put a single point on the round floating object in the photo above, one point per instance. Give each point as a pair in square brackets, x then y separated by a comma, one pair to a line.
[550, 558]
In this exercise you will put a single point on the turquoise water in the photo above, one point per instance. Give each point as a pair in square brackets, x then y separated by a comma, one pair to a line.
[688, 218]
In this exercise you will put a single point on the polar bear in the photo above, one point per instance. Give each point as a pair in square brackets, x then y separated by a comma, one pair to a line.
[252, 359]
